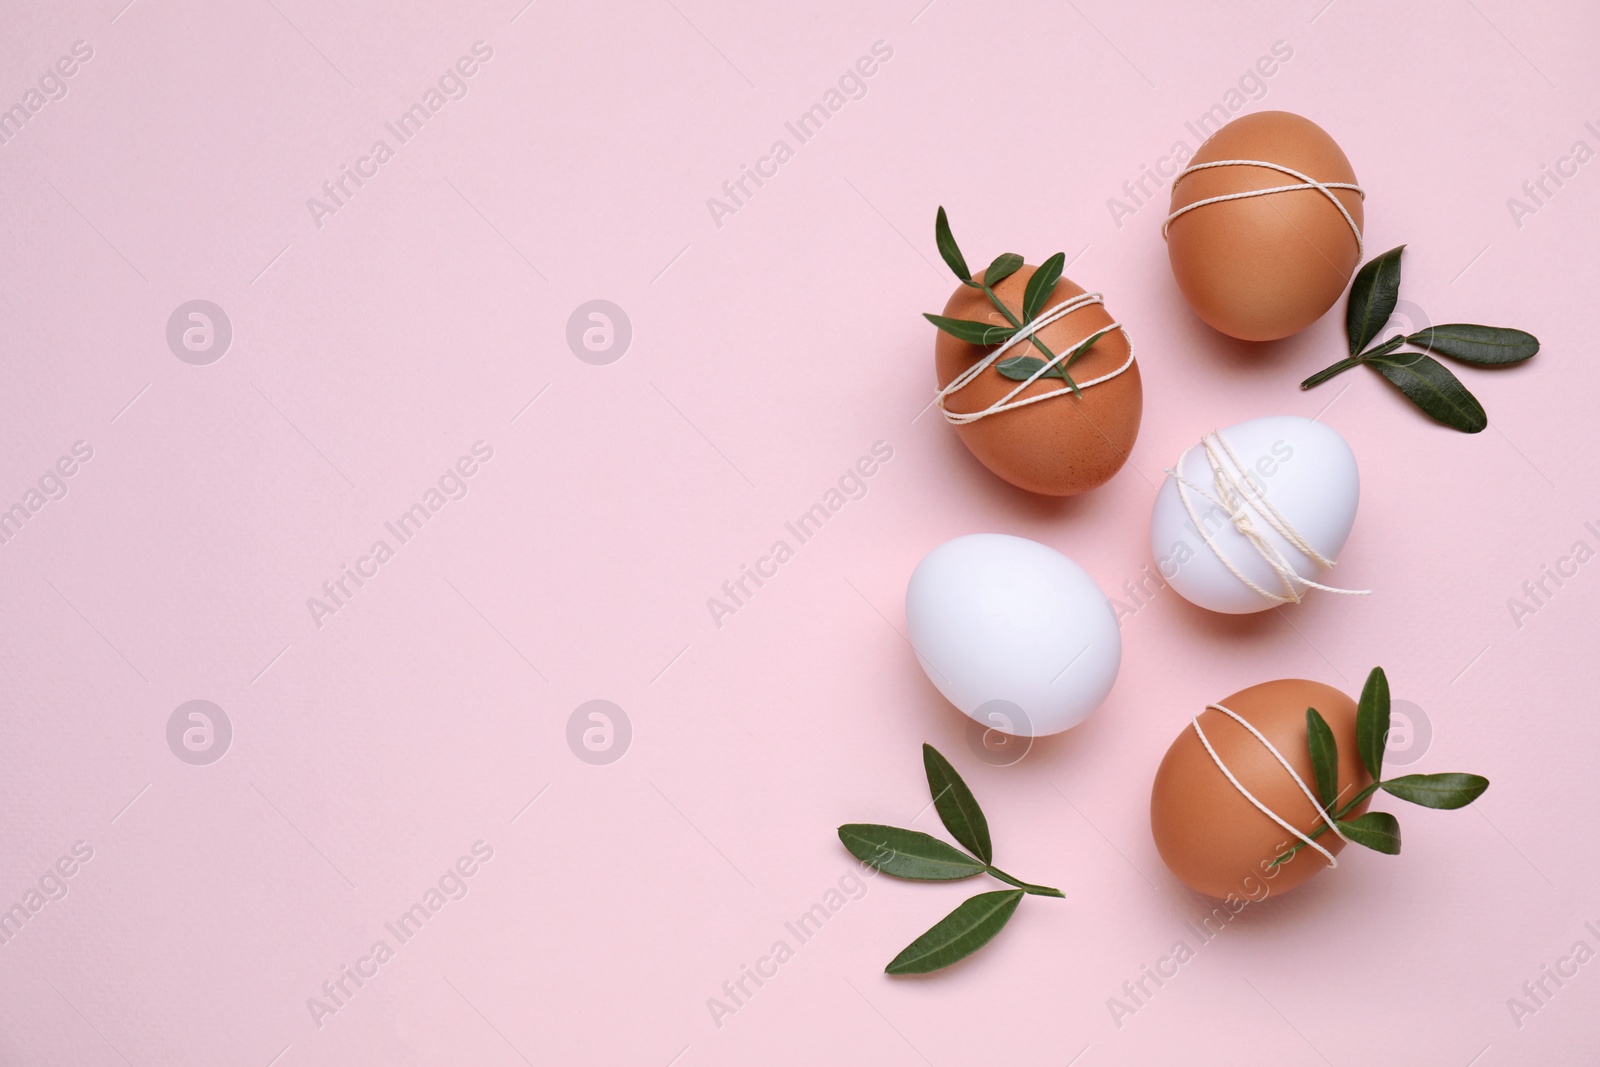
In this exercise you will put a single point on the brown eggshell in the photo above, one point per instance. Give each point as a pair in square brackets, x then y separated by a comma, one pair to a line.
[1264, 267]
[1057, 447]
[1208, 834]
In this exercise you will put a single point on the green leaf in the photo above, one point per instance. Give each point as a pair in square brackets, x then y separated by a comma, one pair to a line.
[957, 807]
[959, 934]
[907, 853]
[1041, 285]
[1428, 384]
[1372, 298]
[1377, 830]
[948, 249]
[1021, 368]
[1003, 267]
[1445, 791]
[1486, 345]
[1084, 346]
[1324, 757]
[1372, 721]
[977, 333]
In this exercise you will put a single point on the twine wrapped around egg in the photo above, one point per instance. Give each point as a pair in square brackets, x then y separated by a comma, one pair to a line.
[1306, 182]
[1257, 257]
[1231, 795]
[1238, 495]
[1251, 514]
[1300, 783]
[1010, 401]
[1078, 440]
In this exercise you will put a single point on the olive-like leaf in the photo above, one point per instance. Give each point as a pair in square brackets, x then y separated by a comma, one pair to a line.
[1373, 296]
[948, 250]
[907, 853]
[1324, 757]
[959, 934]
[958, 809]
[1445, 791]
[1488, 346]
[1041, 285]
[1372, 721]
[1003, 267]
[1084, 346]
[1429, 384]
[977, 333]
[1377, 830]
[1021, 368]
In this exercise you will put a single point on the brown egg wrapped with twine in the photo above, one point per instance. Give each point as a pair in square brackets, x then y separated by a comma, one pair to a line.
[1233, 792]
[1035, 375]
[1265, 229]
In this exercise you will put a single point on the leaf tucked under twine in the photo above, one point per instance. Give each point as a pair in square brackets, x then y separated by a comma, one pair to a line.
[977, 333]
[1324, 757]
[1377, 830]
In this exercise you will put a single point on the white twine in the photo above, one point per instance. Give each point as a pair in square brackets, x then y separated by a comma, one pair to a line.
[1238, 492]
[1251, 797]
[1010, 402]
[1306, 182]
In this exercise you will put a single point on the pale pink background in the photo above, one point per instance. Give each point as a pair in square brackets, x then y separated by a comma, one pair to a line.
[768, 354]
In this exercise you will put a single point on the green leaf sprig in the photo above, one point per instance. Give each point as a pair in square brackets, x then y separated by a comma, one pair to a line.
[1040, 285]
[921, 857]
[1377, 830]
[1425, 381]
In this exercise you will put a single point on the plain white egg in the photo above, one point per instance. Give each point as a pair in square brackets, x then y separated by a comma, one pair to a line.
[1013, 633]
[1305, 473]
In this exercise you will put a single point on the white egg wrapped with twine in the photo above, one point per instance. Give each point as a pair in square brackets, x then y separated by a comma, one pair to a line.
[1254, 516]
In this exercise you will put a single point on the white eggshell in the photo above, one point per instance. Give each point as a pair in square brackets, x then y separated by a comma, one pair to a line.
[995, 618]
[1306, 472]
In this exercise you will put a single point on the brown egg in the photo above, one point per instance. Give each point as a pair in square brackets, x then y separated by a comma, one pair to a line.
[1057, 447]
[1215, 840]
[1265, 267]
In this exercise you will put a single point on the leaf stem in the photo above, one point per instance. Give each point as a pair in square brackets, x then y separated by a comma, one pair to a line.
[1040, 345]
[1036, 890]
[1353, 361]
[1319, 831]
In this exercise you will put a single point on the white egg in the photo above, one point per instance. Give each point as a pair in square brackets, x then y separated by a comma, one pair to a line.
[1287, 488]
[1013, 633]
